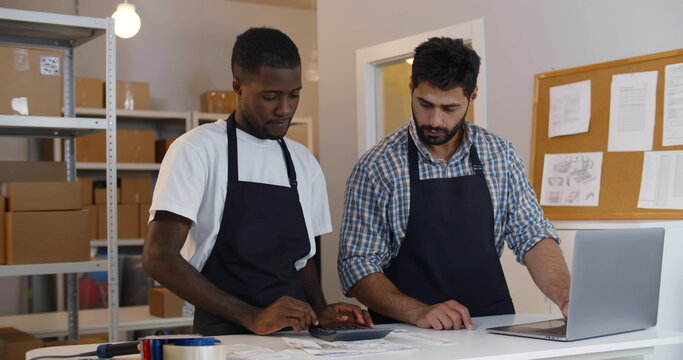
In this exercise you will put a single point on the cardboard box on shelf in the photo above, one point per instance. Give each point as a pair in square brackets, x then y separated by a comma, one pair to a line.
[43, 195]
[88, 93]
[218, 101]
[31, 81]
[127, 217]
[144, 218]
[15, 343]
[100, 196]
[86, 190]
[2, 230]
[92, 213]
[131, 146]
[136, 190]
[162, 147]
[35, 237]
[164, 303]
[32, 171]
[132, 95]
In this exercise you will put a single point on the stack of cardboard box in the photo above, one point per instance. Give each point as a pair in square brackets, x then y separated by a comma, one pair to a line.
[44, 221]
[132, 146]
[133, 198]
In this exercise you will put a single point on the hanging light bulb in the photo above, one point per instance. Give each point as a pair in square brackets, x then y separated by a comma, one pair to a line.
[126, 20]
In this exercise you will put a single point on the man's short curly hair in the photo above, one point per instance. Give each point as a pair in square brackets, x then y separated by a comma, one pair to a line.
[263, 46]
[446, 63]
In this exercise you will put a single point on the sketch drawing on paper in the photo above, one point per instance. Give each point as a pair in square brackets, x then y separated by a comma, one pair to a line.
[571, 179]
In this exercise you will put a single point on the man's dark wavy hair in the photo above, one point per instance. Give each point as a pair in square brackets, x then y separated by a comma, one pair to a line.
[263, 46]
[446, 63]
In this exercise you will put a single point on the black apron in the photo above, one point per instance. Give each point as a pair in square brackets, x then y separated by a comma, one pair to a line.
[262, 234]
[448, 252]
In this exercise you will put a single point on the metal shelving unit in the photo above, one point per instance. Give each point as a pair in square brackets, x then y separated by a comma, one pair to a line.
[65, 32]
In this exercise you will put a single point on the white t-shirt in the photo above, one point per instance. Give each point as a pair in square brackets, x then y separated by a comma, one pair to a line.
[193, 182]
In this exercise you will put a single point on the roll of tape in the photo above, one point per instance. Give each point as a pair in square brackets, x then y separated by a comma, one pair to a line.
[208, 352]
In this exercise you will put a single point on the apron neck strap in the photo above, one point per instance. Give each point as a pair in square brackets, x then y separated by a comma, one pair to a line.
[291, 173]
[476, 163]
[232, 151]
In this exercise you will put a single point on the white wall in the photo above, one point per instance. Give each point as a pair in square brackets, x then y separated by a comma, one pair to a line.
[523, 38]
[183, 47]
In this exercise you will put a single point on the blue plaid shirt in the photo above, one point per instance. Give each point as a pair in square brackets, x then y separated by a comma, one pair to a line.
[377, 199]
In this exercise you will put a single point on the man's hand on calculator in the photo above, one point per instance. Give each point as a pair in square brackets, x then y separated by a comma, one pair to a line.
[344, 315]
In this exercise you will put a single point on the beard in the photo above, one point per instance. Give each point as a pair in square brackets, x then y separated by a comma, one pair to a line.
[445, 134]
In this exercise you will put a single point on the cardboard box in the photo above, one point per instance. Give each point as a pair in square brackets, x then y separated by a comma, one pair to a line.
[144, 218]
[132, 95]
[2, 230]
[100, 196]
[131, 146]
[127, 217]
[164, 303]
[43, 195]
[15, 343]
[161, 148]
[218, 101]
[86, 190]
[92, 214]
[32, 171]
[31, 81]
[136, 190]
[47, 236]
[88, 93]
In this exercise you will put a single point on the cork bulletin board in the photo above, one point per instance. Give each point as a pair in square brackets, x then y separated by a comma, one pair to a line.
[621, 171]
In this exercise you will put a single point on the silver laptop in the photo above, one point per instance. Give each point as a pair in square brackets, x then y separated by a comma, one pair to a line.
[614, 286]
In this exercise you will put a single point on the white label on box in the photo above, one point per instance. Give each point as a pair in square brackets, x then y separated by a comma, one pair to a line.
[49, 65]
[19, 106]
[21, 62]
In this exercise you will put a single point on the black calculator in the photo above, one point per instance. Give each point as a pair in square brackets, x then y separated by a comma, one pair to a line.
[348, 333]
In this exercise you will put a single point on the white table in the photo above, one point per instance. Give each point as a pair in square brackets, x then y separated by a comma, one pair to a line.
[476, 344]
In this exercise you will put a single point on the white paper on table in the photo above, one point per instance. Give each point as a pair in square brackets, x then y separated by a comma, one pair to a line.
[345, 348]
[570, 109]
[661, 186]
[244, 351]
[571, 179]
[420, 338]
[632, 111]
[673, 105]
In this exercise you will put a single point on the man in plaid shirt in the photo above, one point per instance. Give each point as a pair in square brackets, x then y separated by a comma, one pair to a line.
[429, 208]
